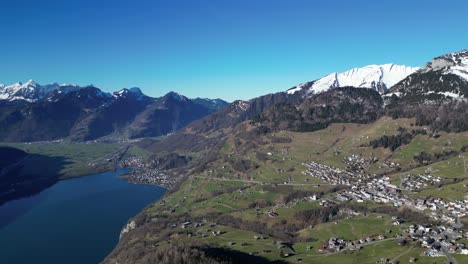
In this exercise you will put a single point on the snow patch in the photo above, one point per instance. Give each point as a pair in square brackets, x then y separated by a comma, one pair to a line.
[378, 77]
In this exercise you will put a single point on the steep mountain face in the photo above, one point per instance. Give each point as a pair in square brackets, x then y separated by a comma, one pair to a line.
[340, 105]
[112, 117]
[87, 113]
[31, 91]
[49, 120]
[167, 114]
[23, 174]
[437, 95]
[452, 63]
[239, 111]
[445, 77]
[377, 77]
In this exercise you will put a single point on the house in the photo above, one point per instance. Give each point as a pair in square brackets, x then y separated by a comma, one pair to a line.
[314, 197]
[322, 248]
[272, 214]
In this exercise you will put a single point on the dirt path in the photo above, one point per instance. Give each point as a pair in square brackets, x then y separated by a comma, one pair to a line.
[397, 257]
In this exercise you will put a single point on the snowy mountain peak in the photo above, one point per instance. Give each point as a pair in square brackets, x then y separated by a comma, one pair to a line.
[452, 63]
[444, 77]
[135, 91]
[31, 83]
[31, 91]
[378, 77]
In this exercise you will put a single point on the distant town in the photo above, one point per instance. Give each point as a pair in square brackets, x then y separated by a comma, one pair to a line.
[439, 239]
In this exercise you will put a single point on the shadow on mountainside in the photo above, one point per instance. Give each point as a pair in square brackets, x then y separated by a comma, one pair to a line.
[23, 175]
[226, 255]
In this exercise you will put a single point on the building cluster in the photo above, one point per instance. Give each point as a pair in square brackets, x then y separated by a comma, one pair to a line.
[356, 163]
[146, 173]
[438, 240]
[381, 190]
[338, 244]
[333, 175]
[446, 211]
[420, 181]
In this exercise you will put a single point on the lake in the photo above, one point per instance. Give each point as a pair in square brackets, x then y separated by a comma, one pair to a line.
[74, 221]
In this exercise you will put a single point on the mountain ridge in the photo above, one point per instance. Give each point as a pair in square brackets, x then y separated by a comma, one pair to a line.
[31, 91]
[377, 77]
[444, 76]
[88, 113]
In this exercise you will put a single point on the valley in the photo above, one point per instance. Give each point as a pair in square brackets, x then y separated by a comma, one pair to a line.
[227, 132]
[279, 208]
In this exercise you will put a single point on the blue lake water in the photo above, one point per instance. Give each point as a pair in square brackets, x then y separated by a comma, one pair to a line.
[74, 221]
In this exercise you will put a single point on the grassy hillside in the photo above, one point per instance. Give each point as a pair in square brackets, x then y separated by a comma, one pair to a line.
[255, 173]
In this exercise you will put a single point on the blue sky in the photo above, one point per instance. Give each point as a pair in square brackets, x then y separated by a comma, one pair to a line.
[220, 48]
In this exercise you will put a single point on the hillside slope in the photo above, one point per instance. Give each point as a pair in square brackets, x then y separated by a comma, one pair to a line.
[315, 179]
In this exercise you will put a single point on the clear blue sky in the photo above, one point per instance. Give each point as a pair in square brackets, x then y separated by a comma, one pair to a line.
[219, 48]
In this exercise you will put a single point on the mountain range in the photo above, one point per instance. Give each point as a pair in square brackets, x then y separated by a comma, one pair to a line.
[377, 77]
[382, 122]
[405, 91]
[32, 112]
[253, 141]
[32, 92]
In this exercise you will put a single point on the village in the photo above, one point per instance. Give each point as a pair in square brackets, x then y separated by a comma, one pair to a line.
[333, 175]
[417, 182]
[146, 173]
[439, 240]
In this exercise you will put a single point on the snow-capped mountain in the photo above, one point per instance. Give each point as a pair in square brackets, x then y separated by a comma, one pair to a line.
[134, 91]
[452, 63]
[445, 76]
[32, 91]
[31, 112]
[378, 77]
